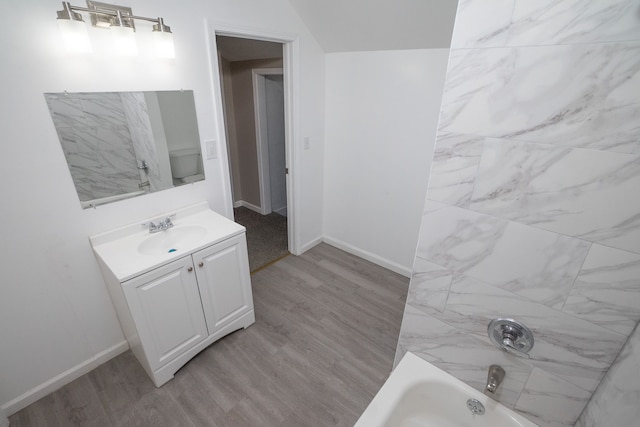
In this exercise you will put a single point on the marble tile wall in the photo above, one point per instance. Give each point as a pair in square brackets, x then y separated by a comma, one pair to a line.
[97, 143]
[533, 210]
[137, 117]
[615, 402]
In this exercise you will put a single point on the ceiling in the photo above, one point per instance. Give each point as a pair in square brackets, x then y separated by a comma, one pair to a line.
[359, 25]
[365, 25]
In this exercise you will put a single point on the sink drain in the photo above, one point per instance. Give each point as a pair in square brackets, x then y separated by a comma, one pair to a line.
[475, 406]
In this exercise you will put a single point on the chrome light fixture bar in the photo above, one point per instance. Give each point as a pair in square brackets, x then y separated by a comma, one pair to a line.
[119, 18]
[106, 15]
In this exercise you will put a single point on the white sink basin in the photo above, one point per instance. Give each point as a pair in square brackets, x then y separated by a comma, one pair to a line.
[175, 239]
[131, 250]
[418, 394]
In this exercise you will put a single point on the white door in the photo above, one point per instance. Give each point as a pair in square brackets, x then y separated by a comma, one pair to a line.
[166, 308]
[274, 103]
[225, 284]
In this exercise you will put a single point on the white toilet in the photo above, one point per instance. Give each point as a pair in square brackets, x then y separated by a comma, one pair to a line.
[184, 165]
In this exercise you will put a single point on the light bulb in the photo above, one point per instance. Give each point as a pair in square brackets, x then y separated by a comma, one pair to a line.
[74, 36]
[124, 41]
[164, 44]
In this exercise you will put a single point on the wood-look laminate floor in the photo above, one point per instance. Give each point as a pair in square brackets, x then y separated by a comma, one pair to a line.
[323, 343]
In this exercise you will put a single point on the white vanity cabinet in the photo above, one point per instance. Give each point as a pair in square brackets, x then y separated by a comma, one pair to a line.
[225, 288]
[167, 311]
[174, 305]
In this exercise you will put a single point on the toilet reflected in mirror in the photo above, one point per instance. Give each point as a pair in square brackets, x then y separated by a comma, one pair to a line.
[185, 165]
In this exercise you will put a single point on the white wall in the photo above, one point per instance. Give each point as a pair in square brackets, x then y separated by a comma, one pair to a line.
[381, 118]
[177, 117]
[54, 308]
[366, 25]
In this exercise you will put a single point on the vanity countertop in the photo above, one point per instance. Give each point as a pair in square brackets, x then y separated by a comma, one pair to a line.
[131, 250]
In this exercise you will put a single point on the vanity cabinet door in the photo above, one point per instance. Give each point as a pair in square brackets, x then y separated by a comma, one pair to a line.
[167, 311]
[225, 283]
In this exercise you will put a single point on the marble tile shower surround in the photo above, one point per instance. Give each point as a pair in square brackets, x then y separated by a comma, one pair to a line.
[464, 356]
[94, 133]
[533, 210]
[137, 117]
[607, 290]
[535, 264]
[445, 322]
[615, 402]
[575, 192]
[454, 167]
[549, 400]
[558, 95]
[497, 23]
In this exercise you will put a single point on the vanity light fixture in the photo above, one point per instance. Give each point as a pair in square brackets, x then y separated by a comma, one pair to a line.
[118, 19]
[123, 36]
[73, 29]
[163, 40]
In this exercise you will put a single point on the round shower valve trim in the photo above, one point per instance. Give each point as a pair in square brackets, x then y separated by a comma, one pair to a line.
[512, 336]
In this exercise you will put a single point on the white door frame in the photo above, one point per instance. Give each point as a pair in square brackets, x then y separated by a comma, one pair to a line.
[291, 67]
[4, 421]
[262, 140]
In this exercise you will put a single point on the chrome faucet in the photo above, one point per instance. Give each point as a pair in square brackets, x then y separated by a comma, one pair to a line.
[163, 225]
[495, 377]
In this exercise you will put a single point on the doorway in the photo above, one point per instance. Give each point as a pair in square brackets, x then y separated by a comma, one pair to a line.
[253, 99]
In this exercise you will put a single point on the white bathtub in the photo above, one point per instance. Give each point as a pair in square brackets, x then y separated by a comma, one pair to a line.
[417, 394]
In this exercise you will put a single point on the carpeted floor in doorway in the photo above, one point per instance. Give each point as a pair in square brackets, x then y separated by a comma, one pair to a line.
[266, 236]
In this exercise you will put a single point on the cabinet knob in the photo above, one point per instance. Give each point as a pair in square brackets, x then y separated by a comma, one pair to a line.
[200, 264]
[190, 269]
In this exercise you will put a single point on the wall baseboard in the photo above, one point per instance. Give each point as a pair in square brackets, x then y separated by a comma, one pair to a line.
[38, 392]
[311, 244]
[281, 211]
[247, 205]
[376, 259]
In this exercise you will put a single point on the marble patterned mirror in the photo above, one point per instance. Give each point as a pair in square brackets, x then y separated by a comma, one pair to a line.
[125, 144]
